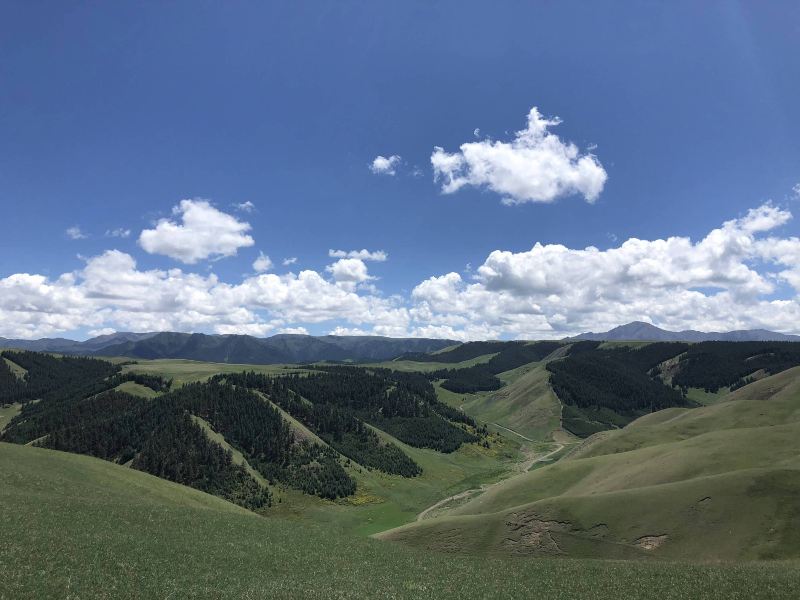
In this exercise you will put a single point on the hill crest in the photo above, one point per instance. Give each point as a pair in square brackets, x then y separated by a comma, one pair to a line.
[647, 332]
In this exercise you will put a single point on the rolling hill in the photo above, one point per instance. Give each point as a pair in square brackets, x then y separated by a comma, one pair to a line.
[711, 483]
[75, 526]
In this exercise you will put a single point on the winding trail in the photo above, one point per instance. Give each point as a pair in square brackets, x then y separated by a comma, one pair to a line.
[514, 432]
[523, 466]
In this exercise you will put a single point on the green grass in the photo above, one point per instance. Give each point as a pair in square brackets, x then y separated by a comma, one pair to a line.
[78, 527]
[706, 398]
[721, 482]
[382, 501]
[236, 456]
[15, 368]
[136, 389]
[385, 501]
[525, 404]
[424, 367]
[8, 412]
[187, 371]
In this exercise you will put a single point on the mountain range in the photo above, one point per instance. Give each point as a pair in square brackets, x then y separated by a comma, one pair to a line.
[282, 348]
[297, 348]
[641, 331]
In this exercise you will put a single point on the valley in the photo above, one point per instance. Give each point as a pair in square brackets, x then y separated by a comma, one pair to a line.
[414, 453]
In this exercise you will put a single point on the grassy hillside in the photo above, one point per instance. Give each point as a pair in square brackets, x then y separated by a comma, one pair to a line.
[384, 501]
[15, 368]
[8, 412]
[717, 482]
[136, 389]
[526, 403]
[188, 371]
[74, 526]
[424, 367]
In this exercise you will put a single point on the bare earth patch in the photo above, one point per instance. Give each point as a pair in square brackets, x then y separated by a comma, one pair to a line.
[650, 542]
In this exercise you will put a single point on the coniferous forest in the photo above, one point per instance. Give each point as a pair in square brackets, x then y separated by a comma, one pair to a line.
[482, 377]
[71, 404]
[603, 388]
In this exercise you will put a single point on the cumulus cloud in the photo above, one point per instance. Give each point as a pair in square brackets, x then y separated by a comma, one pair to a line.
[118, 233]
[289, 261]
[796, 191]
[536, 166]
[743, 274]
[204, 232]
[111, 291]
[75, 233]
[262, 263]
[551, 290]
[385, 165]
[377, 256]
[349, 272]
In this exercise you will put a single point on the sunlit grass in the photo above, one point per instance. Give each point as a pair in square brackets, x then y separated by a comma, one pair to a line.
[77, 527]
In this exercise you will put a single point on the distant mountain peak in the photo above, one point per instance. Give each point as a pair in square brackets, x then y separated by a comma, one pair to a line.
[647, 332]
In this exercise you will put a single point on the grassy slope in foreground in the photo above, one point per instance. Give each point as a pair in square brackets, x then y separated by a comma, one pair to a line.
[74, 526]
[718, 482]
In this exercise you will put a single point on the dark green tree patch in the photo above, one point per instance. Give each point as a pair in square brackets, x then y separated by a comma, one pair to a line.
[714, 365]
[603, 389]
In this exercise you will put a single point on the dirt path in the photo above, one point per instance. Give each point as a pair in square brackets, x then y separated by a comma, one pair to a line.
[514, 432]
[523, 467]
[526, 466]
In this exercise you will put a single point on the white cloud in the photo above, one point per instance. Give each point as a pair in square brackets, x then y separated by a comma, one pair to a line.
[552, 290]
[385, 165]
[796, 191]
[118, 233]
[254, 329]
[741, 275]
[348, 331]
[349, 272]
[262, 263]
[536, 166]
[245, 206]
[75, 233]
[377, 256]
[294, 330]
[110, 291]
[289, 261]
[204, 232]
[103, 331]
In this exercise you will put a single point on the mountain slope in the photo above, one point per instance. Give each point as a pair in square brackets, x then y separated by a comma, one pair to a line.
[239, 349]
[641, 331]
[91, 529]
[65, 346]
[717, 482]
[526, 403]
[245, 349]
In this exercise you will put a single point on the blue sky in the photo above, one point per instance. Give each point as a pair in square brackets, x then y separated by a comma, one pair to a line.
[111, 114]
